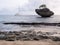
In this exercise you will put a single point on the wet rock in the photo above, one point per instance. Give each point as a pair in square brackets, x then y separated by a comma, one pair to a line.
[54, 38]
[2, 37]
[36, 38]
[50, 33]
[44, 11]
[43, 37]
[29, 35]
[24, 37]
[10, 33]
[19, 36]
[10, 37]
[32, 35]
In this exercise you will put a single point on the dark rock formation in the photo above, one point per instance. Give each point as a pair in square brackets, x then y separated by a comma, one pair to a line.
[28, 35]
[44, 12]
[55, 38]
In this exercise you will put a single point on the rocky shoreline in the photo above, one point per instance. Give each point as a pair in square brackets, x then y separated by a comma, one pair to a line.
[41, 23]
[29, 35]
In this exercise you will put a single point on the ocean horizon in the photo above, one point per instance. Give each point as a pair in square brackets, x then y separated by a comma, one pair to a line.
[29, 18]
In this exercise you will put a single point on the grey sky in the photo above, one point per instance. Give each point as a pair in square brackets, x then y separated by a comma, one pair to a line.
[10, 7]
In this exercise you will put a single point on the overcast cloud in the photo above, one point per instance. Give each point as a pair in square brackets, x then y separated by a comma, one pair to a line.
[10, 7]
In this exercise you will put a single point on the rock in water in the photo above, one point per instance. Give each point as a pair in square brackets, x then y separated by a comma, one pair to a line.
[43, 11]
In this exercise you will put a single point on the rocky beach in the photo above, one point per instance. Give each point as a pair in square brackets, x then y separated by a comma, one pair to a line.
[31, 35]
[22, 31]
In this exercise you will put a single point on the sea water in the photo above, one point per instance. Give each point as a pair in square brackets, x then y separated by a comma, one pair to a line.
[25, 18]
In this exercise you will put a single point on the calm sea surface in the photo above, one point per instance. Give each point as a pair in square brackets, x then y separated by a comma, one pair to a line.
[28, 18]
[24, 18]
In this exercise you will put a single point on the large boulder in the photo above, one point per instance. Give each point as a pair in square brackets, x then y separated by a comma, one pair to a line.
[43, 11]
